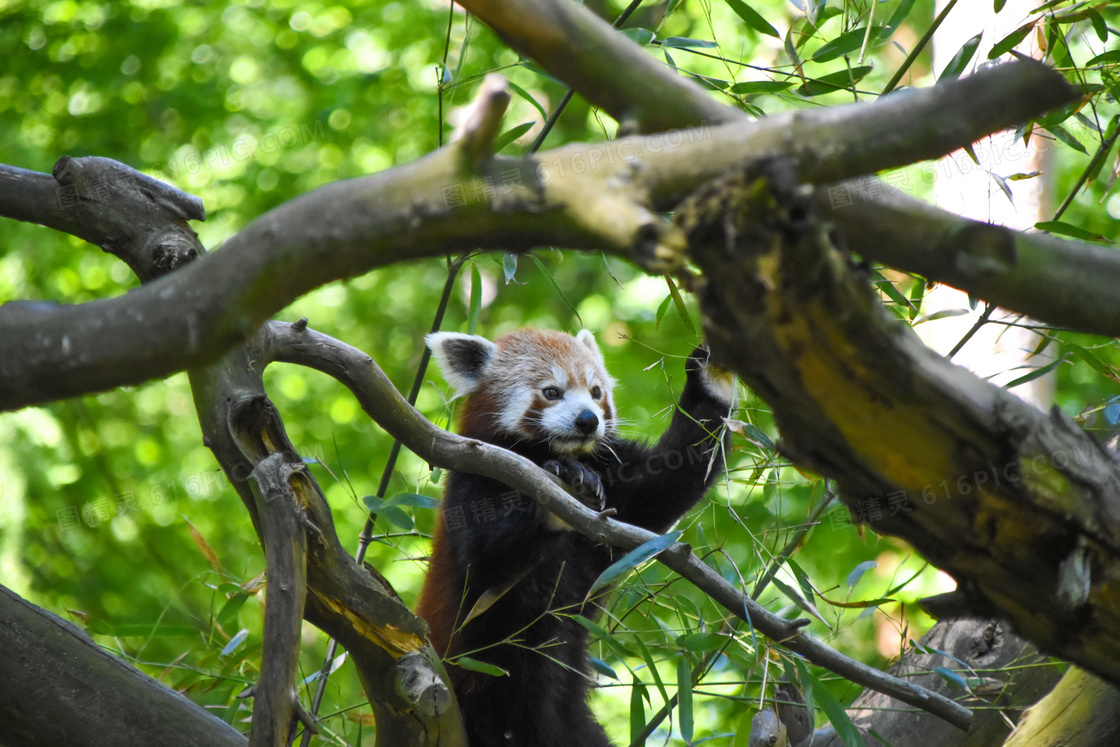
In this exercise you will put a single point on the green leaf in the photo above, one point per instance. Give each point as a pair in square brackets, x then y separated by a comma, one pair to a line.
[612, 642]
[234, 642]
[799, 573]
[797, 599]
[475, 304]
[417, 500]
[1065, 229]
[525, 95]
[900, 14]
[227, 616]
[509, 266]
[684, 698]
[1036, 374]
[943, 314]
[1063, 135]
[1009, 42]
[510, 135]
[841, 45]
[838, 81]
[1098, 25]
[652, 667]
[474, 665]
[1112, 55]
[388, 511]
[556, 287]
[641, 37]
[753, 19]
[682, 42]
[859, 570]
[639, 694]
[753, 431]
[999, 5]
[601, 667]
[952, 678]
[890, 290]
[836, 714]
[761, 86]
[701, 643]
[1089, 357]
[678, 302]
[961, 59]
[631, 560]
[661, 309]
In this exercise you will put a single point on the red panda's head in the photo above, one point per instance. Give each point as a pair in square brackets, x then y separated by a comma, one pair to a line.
[534, 385]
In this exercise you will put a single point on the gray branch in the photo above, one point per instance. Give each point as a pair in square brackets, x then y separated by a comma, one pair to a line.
[589, 197]
[59, 687]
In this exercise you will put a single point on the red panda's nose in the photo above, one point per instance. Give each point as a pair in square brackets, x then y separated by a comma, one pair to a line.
[587, 422]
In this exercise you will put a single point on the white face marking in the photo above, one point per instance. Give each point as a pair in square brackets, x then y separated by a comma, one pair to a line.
[542, 383]
[559, 421]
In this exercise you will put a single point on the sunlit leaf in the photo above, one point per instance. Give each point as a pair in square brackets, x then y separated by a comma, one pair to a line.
[635, 558]
[960, 60]
[753, 19]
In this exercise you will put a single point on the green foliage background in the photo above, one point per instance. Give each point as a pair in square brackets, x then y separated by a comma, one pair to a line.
[250, 104]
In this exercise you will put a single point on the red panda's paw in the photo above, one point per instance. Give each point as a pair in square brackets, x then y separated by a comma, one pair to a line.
[717, 382]
[583, 481]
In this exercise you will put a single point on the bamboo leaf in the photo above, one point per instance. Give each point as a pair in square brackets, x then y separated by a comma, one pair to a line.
[751, 17]
[475, 304]
[634, 558]
[859, 570]
[836, 714]
[475, 665]
[234, 642]
[510, 135]
[1036, 374]
[761, 86]
[838, 81]
[678, 302]
[684, 699]
[841, 45]
[961, 59]
[1009, 42]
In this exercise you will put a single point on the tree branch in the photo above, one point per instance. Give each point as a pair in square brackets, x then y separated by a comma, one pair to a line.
[584, 51]
[1023, 508]
[1065, 283]
[589, 197]
[388, 408]
[140, 220]
[59, 687]
[351, 603]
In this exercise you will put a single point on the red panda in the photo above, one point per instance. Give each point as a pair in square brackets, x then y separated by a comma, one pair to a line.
[547, 396]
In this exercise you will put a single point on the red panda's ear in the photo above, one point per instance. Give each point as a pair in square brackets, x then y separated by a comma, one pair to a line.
[460, 358]
[587, 339]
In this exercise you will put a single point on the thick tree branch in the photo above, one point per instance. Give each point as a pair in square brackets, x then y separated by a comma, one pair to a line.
[402, 675]
[1003, 672]
[1021, 507]
[1065, 283]
[584, 51]
[137, 218]
[388, 408]
[590, 197]
[284, 540]
[59, 687]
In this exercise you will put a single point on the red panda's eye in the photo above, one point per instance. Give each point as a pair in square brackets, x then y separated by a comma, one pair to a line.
[596, 392]
[551, 392]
